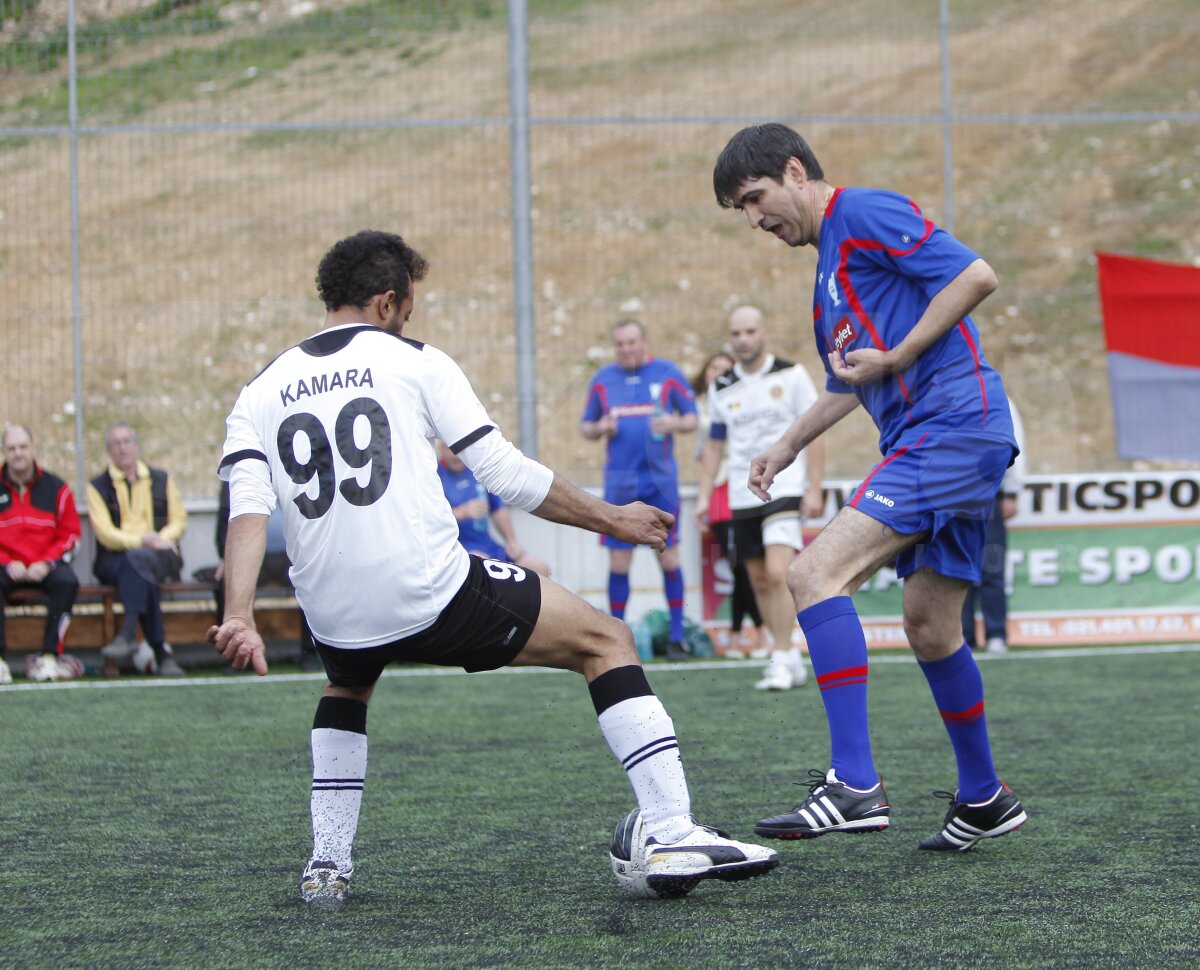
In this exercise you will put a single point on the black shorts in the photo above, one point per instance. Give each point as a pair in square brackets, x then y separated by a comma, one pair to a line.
[484, 627]
[746, 533]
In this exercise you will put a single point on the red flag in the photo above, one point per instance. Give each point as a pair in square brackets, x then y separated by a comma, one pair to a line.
[1152, 331]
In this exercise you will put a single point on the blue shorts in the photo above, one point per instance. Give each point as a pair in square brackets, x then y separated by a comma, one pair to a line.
[482, 544]
[943, 483]
[623, 488]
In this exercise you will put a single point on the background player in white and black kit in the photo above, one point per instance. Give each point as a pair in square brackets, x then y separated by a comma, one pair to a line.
[752, 404]
[339, 429]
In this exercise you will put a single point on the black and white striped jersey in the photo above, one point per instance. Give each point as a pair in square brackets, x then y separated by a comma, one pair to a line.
[338, 430]
[751, 412]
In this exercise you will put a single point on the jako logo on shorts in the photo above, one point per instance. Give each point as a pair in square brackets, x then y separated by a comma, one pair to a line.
[881, 499]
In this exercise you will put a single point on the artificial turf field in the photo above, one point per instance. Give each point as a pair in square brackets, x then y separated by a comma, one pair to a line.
[147, 824]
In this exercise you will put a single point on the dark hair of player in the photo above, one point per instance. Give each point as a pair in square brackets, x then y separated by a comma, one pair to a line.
[367, 264]
[760, 151]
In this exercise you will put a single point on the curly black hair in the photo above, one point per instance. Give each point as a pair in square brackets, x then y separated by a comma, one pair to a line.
[367, 264]
[760, 151]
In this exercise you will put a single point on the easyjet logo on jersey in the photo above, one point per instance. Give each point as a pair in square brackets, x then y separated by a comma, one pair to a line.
[843, 333]
[631, 410]
[881, 499]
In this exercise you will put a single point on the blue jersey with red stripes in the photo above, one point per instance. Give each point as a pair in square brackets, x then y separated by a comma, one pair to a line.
[880, 263]
[633, 398]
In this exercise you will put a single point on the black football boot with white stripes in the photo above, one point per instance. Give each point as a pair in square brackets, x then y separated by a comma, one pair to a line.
[966, 824]
[830, 807]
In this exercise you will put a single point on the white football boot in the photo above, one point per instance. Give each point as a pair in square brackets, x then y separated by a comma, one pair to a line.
[667, 870]
[324, 884]
[44, 669]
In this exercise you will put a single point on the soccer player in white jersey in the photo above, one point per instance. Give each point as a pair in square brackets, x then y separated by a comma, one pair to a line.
[339, 430]
[752, 404]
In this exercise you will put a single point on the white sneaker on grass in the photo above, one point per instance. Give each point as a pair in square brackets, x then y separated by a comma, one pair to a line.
[782, 673]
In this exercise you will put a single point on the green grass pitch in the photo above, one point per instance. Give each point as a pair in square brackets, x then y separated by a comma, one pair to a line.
[148, 826]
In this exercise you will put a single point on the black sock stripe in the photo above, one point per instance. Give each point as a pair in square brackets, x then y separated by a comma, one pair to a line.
[629, 765]
[341, 714]
[337, 788]
[656, 741]
[338, 781]
[619, 684]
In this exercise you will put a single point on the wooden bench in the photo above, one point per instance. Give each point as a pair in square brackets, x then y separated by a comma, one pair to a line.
[189, 609]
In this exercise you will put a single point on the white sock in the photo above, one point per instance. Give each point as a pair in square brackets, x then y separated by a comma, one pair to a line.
[642, 737]
[339, 768]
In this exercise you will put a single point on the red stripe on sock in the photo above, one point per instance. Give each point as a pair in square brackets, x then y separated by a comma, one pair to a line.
[842, 674]
[963, 717]
[843, 683]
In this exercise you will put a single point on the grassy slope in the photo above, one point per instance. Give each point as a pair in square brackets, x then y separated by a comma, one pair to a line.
[199, 248]
[166, 827]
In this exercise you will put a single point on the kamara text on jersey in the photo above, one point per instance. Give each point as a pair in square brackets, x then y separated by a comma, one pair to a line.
[320, 383]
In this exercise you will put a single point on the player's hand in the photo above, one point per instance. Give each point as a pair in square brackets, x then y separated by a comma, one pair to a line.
[643, 524]
[476, 508]
[16, 571]
[663, 424]
[766, 466]
[702, 512]
[862, 366]
[37, 571]
[813, 503]
[607, 425]
[238, 642]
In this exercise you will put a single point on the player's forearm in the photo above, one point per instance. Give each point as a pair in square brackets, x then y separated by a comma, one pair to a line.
[816, 462]
[568, 505]
[590, 430]
[827, 411]
[245, 546]
[710, 461]
[958, 298]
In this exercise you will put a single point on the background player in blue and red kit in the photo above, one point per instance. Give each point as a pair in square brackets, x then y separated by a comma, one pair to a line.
[890, 310]
[475, 508]
[638, 403]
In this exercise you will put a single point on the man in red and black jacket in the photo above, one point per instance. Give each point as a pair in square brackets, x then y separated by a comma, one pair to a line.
[39, 530]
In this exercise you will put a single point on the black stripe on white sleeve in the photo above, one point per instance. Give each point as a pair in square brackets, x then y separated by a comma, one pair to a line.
[470, 439]
[230, 460]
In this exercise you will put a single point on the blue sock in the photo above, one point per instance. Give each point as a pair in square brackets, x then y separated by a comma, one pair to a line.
[673, 587]
[958, 692]
[618, 594]
[837, 650]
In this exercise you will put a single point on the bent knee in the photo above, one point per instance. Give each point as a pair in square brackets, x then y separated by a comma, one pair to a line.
[806, 584]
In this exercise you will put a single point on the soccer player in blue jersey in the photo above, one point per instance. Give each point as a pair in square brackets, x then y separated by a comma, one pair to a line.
[890, 314]
[637, 404]
[474, 508]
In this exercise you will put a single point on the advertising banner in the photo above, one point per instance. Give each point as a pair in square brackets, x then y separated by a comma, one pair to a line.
[1092, 558]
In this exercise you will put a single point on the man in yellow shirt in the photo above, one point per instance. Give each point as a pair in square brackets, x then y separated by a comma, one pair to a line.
[138, 519]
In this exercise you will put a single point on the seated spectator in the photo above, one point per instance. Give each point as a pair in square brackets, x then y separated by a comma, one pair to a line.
[39, 531]
[138, 519]
[473, 506]
[275, 571]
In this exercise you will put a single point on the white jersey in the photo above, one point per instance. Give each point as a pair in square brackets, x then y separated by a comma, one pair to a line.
[339, 431]
[750, 412]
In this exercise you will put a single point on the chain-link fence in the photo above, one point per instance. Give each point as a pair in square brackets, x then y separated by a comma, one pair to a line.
[171, 171]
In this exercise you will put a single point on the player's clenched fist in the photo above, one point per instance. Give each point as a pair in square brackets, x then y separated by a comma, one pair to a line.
[766, 466]
[643, 524]
[240, 644]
